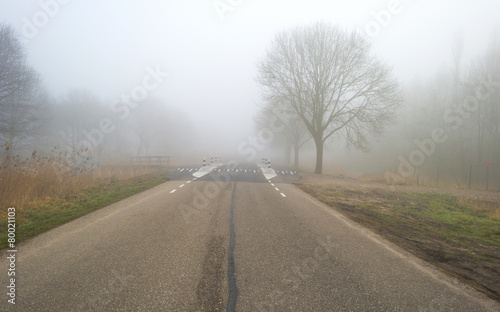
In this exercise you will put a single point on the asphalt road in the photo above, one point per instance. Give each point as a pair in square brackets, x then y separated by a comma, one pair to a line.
[228, 239]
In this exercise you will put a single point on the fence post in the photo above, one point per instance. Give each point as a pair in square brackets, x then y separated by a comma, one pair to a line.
[487, 181]
[470, 176]
[437, 181]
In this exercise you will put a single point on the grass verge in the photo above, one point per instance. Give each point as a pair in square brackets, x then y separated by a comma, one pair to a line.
[37, 217]
[442, 229]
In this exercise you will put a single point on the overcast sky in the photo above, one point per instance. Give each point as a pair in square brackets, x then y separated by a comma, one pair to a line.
[105, 46]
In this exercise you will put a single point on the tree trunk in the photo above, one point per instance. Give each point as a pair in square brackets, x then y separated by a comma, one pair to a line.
[287, 149]
[139, 149]
[296, 156]
[319, 155]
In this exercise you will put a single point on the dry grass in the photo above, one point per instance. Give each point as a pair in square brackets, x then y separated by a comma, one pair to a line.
[430, 182]
[38, 177]
[490, 207]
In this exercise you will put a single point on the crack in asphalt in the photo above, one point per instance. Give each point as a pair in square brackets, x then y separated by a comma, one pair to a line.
[232, 293]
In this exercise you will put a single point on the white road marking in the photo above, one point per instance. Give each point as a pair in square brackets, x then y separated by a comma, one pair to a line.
[188, 182]
[272, 184]
[283, 195]
[182, 169]
[245, 170]
[268, 173]
[276, 188]
[194, 179]
[181, 185]
[203, 171]
[172, 191]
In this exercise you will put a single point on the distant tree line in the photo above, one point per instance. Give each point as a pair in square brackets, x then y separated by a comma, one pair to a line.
[327, 85]
[78, 126]
[463, 103]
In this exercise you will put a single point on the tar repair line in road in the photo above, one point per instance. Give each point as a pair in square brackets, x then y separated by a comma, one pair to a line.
[231, 280]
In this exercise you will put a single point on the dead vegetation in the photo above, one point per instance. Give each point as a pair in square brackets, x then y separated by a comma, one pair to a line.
[34, 178]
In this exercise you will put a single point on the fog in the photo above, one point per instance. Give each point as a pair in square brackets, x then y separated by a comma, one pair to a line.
[204, 99]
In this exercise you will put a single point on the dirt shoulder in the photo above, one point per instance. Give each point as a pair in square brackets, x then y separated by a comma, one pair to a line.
[450, 228]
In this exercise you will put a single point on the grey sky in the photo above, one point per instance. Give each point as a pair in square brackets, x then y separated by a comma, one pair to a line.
[106, 46]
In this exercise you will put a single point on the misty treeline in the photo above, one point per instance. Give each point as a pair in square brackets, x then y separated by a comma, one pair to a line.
[450, 122]
[77, 127]
[327, 86]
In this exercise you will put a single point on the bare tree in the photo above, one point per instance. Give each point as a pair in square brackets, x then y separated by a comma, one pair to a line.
[12, 63]
[151, 122]
[332, 81]
[484, 77]
[79, 113]
[23, 99]
[294, 133]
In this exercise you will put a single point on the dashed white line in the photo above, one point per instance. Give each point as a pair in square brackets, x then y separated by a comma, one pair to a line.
[188, 181]
[272, 184]
[283, 195]
[172, 191]
[276, 188]
[181, 185]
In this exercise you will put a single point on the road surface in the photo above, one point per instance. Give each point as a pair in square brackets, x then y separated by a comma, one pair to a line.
[229, 239]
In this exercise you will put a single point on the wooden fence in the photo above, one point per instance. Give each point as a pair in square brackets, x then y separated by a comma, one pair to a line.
[150, 161]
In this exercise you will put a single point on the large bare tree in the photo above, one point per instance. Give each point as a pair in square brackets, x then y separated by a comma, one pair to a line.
[23, 99]
[332, 81]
